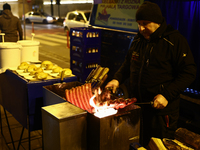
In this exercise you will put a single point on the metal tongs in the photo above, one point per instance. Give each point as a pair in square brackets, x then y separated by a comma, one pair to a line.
[97, 76]
[117, 95]
[144, 103]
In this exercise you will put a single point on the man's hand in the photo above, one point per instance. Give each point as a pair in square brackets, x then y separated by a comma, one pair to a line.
[160, 102]
[114, 84]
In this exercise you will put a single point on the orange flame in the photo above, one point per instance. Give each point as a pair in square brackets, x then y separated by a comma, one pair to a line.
[102, 111]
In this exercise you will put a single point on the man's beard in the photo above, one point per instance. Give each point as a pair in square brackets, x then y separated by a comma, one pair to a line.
[145, 35]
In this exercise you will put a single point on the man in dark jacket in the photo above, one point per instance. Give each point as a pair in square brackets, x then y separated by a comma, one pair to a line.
[160, 66]
[10, 25]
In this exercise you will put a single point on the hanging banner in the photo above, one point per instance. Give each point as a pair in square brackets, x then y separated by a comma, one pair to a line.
[118, 13]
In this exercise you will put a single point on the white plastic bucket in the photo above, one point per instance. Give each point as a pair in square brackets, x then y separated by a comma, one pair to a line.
[30, 50]
[10, 55]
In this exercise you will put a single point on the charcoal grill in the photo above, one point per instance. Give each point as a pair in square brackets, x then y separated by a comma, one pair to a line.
[113, 132]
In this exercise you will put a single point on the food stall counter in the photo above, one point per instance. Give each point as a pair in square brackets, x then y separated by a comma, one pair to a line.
[24, 98]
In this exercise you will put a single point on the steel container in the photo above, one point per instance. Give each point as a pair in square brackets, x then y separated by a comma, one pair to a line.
[64, 127]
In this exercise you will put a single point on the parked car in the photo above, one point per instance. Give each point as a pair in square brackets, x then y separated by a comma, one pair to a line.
[78, 18]
[40, 17]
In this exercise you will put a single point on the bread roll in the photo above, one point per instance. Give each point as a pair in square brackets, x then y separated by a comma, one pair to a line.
[48, 66]
[37, 70]
[57, 69]
[30, 68]
[41, 75]
[65, 72]
[23, 65]
[45, 63]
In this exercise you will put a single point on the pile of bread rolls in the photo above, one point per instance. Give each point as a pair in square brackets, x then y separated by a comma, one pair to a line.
[42, 71]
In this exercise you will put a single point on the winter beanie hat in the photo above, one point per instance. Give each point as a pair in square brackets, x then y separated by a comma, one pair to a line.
[149, 11]
[6, 6]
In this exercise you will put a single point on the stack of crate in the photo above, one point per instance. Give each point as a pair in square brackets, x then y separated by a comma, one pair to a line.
[115, 46]
[85, 51]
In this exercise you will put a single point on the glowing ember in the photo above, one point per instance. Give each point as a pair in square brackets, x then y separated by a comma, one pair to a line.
[103, 110]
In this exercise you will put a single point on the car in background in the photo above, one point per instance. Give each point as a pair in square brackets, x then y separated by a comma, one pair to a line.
[78, 18]
[39, 17]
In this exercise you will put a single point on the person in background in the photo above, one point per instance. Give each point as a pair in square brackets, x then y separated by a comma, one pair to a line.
[160, 66]
[10, 25]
